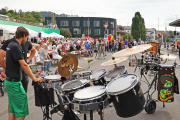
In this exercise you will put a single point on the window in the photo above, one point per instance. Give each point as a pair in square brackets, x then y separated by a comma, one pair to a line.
[112, 24]
[64, 23]
[86, 23]
[76, 31]
[86, 31]
[112, 32]
[105, 22]
[96, 23]
[65, 28]
[97, 31]
[75, 23]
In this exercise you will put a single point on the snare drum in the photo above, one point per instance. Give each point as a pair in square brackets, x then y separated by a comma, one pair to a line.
[51, 81]
[89, 98]
[81, 74]
[71, 87]
[126, 95]
[118, 71]
[97, 77]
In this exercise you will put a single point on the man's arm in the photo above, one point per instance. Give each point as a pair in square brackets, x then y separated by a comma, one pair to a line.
[28, 71]
[33, 51]
[2, 60]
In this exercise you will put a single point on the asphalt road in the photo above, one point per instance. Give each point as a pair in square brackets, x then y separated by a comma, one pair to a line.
[170, 112]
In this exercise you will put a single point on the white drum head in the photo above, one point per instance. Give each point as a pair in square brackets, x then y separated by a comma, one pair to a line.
[95, 75]
[165, 65]
[53, 77]
[122, 84]
[74, 84]
[89, 92]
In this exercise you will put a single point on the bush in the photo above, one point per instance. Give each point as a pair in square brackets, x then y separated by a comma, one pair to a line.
[65, 33]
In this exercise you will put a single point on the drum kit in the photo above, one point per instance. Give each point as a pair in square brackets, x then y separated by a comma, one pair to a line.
[84, 92]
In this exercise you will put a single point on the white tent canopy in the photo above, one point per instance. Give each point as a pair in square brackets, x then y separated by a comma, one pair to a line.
[12, 29]
[56, 35]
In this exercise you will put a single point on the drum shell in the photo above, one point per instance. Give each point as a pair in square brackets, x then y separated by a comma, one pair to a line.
[130, 103]
[44, 97]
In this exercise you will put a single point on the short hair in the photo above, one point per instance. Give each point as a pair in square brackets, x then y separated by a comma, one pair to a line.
[20, 32]
[36, 46]
[44, 44]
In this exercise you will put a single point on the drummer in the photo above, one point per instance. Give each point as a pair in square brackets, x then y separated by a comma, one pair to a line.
[17, 97]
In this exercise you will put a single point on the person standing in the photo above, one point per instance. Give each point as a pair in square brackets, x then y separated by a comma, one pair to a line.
[26, 47]
[126, 43]
[17, 97]
[160, 43]
[119, 47]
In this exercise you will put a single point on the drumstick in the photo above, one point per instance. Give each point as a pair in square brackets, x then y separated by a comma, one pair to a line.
[91, 84]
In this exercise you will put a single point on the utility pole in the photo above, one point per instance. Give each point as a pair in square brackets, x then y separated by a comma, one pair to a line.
[158, 25]
[127, 32]
[165, 36]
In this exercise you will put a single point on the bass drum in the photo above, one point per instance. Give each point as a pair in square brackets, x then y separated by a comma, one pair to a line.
[126, 95]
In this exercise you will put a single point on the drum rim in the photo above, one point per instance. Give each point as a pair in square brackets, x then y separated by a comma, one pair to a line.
[120, 74]
[52, 78]
[124, 91]
[166, 65]
[89, 99]
[96, 72]
[90, 71]
[73, 88]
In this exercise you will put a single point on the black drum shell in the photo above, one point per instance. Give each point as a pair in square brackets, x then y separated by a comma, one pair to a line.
[44, 97]
[128, 103]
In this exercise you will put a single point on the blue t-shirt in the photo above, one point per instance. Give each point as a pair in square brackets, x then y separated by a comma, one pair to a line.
[126, 42]
[87, 46]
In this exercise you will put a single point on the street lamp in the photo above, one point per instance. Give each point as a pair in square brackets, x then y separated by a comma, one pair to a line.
[165, 36]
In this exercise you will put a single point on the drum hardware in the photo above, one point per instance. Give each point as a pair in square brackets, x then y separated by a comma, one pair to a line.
[2, 86]
[88, 60]
[114, 61]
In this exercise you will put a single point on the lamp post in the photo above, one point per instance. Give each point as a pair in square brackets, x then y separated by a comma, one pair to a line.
[158, 25]
[88, 27]
[165, 36]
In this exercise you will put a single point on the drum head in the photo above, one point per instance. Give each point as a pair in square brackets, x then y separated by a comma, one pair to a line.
[122, 84]
[89, 92]
[75, 84]
[119, 70]
[165, 65]
[53, 77]
[97, 74]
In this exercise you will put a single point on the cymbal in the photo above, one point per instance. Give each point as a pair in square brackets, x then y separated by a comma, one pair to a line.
[115, 61]
[167, 56]
[67, 62]
[131, 51]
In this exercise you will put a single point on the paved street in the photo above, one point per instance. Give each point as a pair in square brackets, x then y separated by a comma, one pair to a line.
[170, 112]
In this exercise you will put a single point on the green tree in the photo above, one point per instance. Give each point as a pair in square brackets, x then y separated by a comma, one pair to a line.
[130, 37]
[65, 33]
[138, 29]
[10, 15]
[3, 11]
[12, 12]
[53, 18]
[37, 16]
[29, 18]
[21, 14]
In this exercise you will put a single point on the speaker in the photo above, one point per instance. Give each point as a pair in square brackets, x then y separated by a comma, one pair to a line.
[174, 32]
[39, 34]
[1, 32]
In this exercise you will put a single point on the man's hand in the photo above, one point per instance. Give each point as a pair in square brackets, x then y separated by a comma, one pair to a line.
[28, 61]
[40, 79]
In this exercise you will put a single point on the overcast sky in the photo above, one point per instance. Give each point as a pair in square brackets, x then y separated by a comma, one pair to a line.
[122, 10]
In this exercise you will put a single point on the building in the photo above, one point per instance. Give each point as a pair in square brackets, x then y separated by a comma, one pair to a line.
[127, 29]
[120, 32]
[80, 26]
[150, 33]
[4, 17]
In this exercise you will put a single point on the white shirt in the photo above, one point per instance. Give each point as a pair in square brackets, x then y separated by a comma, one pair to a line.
[37, 57]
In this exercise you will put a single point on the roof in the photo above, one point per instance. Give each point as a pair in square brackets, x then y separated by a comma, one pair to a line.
[127, 27]
[175, 23]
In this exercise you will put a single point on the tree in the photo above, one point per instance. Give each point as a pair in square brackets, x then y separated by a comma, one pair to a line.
[138, 29]
[12, 12]
[130, 37]
[10, 15]
[3, 11]
[29, 18]
[53, 18]
[21, 14]
[65, 33]
[37, 16]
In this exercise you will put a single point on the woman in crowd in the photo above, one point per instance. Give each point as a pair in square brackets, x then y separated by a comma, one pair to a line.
[36, 59]
[55, 54]
[45, 57]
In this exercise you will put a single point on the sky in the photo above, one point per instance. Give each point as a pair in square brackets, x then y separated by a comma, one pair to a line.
[122, 10]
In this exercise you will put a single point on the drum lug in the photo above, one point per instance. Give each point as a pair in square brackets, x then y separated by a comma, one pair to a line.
[117, 98]
[134, 91]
